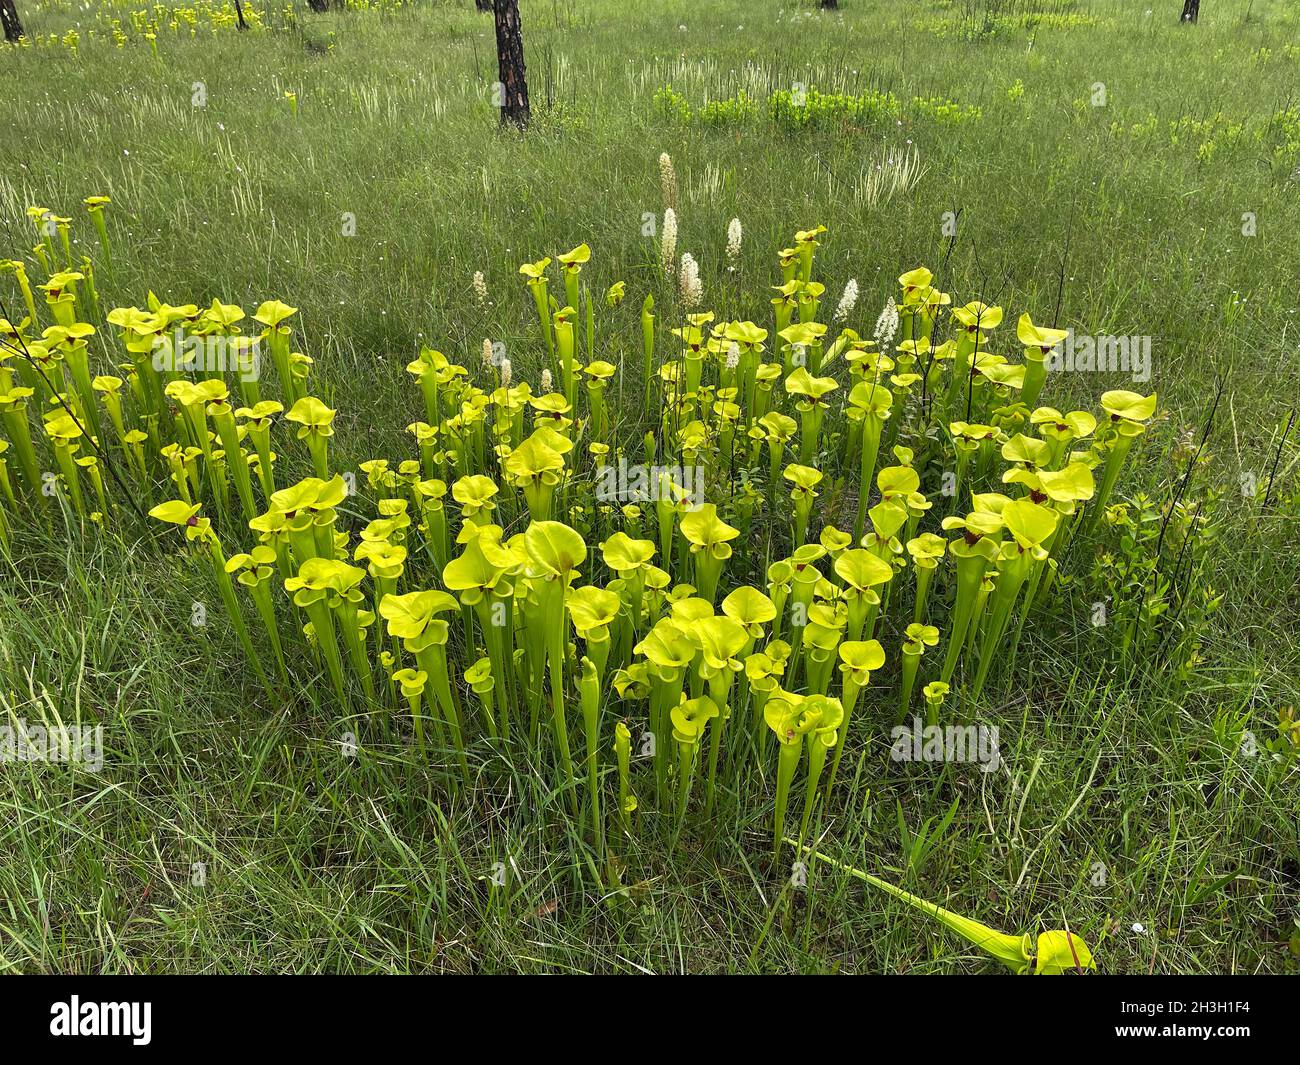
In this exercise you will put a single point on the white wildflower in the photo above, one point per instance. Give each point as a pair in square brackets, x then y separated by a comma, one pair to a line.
[733, 355]
[546, 381]
[848, 301]
[734, 236]
[887, 325]
[692, 286]
[668, 242]
[506, 373]
[488, 359]
[480, 288]
[668, 180]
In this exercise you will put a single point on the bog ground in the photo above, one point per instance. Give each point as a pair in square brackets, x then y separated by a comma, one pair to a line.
[1095, 165]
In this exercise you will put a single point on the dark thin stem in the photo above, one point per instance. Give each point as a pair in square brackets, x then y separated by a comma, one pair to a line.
[1278, 458]
[1191, 463]
[1173, 584]
[21, 348]
[1177, 499]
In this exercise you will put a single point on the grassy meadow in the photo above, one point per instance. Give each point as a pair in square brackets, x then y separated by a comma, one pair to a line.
[1093, 163]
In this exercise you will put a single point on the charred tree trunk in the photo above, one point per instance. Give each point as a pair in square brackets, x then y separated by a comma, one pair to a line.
[239, 10]
[318, 5]
[830, 5]
[513, 86]
[483, 5]
[1191, 10]
[12, 23]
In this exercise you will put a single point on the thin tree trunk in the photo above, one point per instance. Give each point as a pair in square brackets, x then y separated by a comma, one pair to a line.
[483, 5]
[12, 23]
[318, 5]
[830, 5]
[239, 10]
[513, 87]
[1191, 10]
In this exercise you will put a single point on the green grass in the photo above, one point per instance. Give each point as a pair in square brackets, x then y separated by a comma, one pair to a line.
[315, 861]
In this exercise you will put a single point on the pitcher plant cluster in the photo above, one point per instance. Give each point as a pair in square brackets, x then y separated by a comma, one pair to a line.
[882, 516]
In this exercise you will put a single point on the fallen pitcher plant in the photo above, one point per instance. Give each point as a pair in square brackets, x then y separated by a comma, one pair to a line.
[1055, 953]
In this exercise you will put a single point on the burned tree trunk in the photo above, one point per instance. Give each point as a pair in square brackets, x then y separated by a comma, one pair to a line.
[512, 89]
[318, 5]
[830, 5]
[12, 23]
[483, 5]
[239, 10]
[1191, 10]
